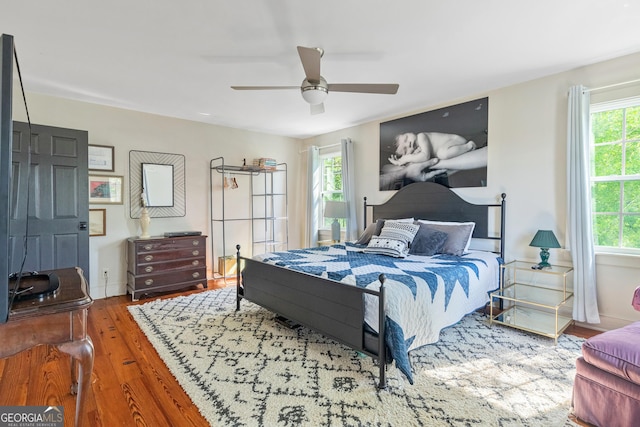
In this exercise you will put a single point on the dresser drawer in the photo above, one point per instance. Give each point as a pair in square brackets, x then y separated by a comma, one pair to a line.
[168, 278]
[175, 264]
[160, 256]
[170, 244]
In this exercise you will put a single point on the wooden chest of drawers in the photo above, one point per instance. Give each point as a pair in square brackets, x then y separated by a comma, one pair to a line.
[163, 264]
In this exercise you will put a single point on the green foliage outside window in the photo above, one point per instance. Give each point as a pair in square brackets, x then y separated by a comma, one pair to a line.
[616, 177]
[331, 186]
[608, 159]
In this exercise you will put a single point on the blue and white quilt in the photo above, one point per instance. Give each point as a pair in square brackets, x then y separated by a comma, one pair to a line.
[423, 294]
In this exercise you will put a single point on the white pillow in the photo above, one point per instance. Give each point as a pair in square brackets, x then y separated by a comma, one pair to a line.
[459, 235]
[380, 224]
[394, 239]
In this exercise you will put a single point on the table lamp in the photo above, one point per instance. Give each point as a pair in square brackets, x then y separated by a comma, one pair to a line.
[335, 209]
[544, 239]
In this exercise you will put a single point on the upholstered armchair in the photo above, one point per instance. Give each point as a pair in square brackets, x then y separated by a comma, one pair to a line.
[606, 390]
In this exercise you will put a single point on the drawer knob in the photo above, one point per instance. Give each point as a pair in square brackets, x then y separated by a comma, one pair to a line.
[148, 247]
[148, 269]
[195, 252]
[148, 258]
[195, 262]
[148, 282]
[196, 275]
[196, 242]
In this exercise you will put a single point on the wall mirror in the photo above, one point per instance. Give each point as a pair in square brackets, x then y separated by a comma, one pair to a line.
[165, 171]
[157, 185]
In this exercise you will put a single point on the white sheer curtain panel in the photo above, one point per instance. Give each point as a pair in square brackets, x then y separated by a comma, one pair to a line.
[313, 195]
[579, 220]
[349, 188]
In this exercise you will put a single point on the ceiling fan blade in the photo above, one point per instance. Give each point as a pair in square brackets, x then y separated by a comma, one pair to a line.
[388, 89]
[264, 87]
[310, 58]
[317, 109]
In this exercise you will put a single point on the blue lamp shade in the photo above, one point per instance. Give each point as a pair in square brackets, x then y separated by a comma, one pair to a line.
[335, 209]
[544, 239]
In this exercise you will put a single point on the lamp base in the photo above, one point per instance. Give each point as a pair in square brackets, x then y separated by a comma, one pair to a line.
[541, 265]
[544, 257]
[335, 231]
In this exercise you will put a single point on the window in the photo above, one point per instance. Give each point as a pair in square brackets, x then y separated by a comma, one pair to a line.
[331, 165]
[615, 174]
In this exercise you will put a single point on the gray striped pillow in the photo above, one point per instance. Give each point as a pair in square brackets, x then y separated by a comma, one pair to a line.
[394, 239]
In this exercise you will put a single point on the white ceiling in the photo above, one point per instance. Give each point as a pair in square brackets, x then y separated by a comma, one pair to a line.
[179, 58]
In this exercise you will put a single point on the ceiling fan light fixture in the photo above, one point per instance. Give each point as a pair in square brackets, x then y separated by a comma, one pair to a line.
[314, 93]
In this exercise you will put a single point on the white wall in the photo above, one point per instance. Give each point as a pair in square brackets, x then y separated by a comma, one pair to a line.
[527, 161]
[129, 130]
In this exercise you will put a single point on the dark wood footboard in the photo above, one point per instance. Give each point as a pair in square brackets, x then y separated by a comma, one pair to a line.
[331, 308]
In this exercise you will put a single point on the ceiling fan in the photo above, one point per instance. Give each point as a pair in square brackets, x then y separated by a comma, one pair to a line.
[315, 88]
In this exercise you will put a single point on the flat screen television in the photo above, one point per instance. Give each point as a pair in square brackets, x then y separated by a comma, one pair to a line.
[6, 133]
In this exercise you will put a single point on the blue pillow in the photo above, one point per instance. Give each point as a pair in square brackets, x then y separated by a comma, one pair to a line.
[428, 241]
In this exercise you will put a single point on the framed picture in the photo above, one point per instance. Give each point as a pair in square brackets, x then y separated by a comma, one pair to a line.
[101, 158]
[448, 146]
[105, 189]
[97, 222]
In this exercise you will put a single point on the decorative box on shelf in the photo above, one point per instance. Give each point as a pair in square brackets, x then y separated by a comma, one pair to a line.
[266, 163]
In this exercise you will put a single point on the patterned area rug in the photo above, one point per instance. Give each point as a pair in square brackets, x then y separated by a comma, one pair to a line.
[245, 369]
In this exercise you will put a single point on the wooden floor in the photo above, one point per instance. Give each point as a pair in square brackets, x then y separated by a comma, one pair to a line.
[130, 385]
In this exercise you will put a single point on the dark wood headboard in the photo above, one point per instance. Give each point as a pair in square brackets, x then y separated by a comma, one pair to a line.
[428, 200]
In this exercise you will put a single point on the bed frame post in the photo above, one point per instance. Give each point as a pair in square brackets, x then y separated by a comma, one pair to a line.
[382, 348]
[502, 218]
[238, 296]
[364, 224]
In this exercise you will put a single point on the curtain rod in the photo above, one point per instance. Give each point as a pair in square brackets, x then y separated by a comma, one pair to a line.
[612, 85]
[321, 148]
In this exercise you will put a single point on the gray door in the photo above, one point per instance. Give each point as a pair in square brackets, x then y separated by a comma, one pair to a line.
[57, 202]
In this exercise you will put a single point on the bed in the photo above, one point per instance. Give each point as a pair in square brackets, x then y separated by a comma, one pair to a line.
[379, 305]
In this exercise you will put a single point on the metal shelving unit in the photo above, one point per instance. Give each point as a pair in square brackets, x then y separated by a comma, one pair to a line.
[259, 226]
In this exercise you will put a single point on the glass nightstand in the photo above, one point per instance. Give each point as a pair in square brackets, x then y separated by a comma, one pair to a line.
[531, 299]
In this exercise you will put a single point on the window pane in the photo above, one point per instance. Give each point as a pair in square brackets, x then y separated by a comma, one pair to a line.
[608, 160]
[632, 165]
[606, 197]
[615, 170]
[607, 126]
[633, 123]
[332, 174]
[631, 231]
[605, 231]
[331, 187]
[632, 197]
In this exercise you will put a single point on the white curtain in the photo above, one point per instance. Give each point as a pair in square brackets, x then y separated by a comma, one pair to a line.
[579, 221]
[313, 195]
[349, 188]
